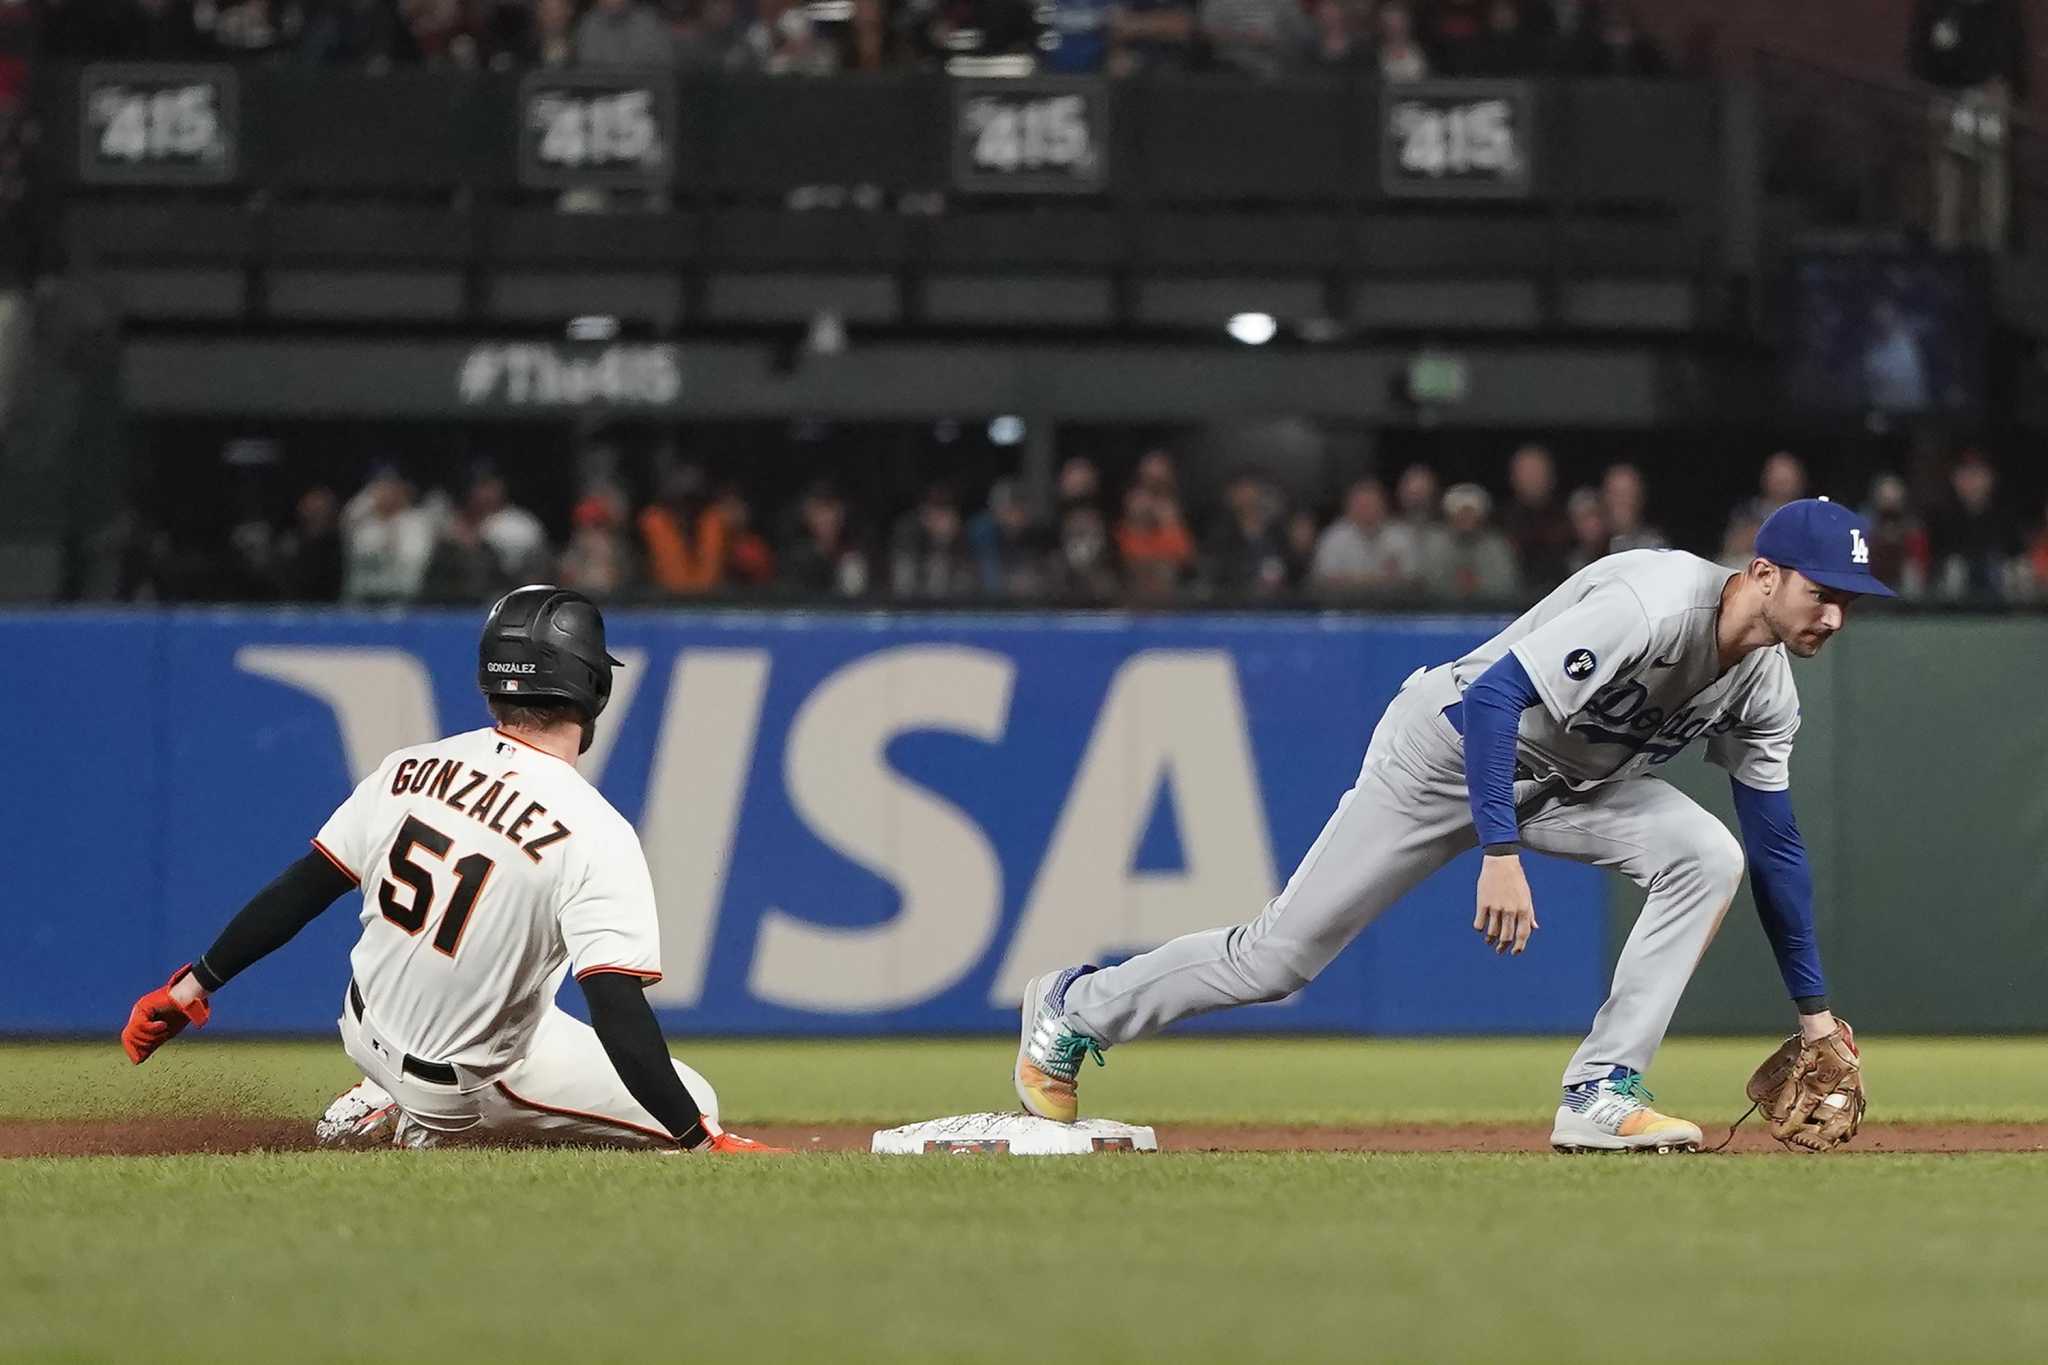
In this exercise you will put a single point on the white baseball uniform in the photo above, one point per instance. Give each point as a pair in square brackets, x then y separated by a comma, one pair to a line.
[489, 869]
[1625, 663]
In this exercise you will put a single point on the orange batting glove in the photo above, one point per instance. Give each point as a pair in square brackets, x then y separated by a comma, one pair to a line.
[156, 1019]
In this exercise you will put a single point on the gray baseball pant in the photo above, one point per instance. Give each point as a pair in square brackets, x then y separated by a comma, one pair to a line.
[1407, 816]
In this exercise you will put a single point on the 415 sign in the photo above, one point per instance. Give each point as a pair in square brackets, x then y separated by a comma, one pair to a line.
[157, 125]
[616, 131]
[1030, 136]
[1456, 138]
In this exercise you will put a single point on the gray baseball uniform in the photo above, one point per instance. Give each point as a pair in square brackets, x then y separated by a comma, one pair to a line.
[1625, 663]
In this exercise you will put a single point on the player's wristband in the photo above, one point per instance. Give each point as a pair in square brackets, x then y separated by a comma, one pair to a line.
[1810, 1004]
[208, 980]
[1502, 850]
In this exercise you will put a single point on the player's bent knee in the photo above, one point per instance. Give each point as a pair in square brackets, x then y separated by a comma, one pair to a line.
[1720, 860]
[1272, 975]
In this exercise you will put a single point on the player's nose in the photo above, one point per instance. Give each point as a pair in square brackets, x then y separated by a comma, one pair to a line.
[1831, 617]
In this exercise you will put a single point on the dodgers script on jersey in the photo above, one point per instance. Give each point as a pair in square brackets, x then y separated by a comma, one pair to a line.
[486, 865]
[1624, 658]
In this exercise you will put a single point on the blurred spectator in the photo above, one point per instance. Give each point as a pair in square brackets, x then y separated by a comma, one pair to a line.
[1587, 512]
[1262, 38]
[782, 42]
[250, 29]
[1566, 28]
[1421, 497]
[1299, 535]
[749, 562]
[1470, 560]
[386, 541]
[682, 535]
[1975, 53]
[463, 567]
[1247, 550]
[1508, 47]
[1153, 541]
[1396, 51]
[1620, 48]
[1536, 526]
[439, 31]
[1008, 544]
[1973, 537]
[2037, 559]
[624, 34]
[928, 548]
[1084, 567]
[1338, 46]
[1738, 540]
[1150, 35]
[512, 533]
[710, 37]
[551, 40]
[1623, 498]
[1455, 35]
[362, 33]
[308, 555]
[1077, 34]
[1782, 480]
[1079, 482]
[599, 558]
[1895, 375]
[1899, 553]
[1364, 551]
[822, 555]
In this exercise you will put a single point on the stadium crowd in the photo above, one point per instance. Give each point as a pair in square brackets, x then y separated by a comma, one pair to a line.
[1400, 39]
[697, 539]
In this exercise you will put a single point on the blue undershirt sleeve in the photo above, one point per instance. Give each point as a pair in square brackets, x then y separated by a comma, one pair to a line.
[1494, 704]
[1783, 886]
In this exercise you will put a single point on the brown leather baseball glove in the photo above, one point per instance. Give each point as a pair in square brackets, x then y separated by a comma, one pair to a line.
[1812, 1092]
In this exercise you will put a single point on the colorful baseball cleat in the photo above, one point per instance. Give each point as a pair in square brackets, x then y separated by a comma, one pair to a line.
[364, 1115]
[732, 1144]
[1613, 1114]
[1049, 1053]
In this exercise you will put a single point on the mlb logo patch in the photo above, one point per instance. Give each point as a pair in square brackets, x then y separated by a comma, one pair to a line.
[1579, 664]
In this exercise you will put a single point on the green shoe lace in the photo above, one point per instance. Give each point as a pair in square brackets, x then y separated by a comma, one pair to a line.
[1067, 1052]
[1633, 1087]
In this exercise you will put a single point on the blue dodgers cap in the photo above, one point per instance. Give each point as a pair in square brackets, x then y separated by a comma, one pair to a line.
[1826, 541]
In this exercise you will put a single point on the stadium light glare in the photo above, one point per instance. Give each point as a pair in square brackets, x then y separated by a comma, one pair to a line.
[1253, 329]
[1005, 430]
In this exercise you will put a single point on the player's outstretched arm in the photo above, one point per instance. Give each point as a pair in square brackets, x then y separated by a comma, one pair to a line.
[1505, 912]
[268, 922]
[631, 1036]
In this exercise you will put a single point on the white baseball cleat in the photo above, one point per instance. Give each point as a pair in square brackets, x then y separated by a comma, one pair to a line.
[1613, 1115]
[364, 1115]
[1048, 1070]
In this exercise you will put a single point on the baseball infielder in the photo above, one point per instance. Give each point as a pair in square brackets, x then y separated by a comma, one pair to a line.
[1548, 737]
[489, 867]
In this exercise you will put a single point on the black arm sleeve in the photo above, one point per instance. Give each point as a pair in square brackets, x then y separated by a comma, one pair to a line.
[626, 1026]
[269, 920]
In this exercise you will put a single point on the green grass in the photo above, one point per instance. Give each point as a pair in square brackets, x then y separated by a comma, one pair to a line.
[612, 1256]
[1330, 1082]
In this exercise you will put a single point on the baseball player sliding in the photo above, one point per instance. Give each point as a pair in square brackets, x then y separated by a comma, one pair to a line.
[1547, 737]
[492, 868]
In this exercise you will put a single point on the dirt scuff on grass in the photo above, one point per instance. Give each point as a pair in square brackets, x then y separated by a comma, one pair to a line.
[226, 1134]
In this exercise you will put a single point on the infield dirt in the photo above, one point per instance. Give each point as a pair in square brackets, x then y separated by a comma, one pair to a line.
[224, 1134]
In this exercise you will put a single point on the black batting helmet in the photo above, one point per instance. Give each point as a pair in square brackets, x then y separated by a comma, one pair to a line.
[545, 642]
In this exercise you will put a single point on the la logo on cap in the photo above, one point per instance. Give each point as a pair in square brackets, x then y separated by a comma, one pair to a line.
[1859, 550]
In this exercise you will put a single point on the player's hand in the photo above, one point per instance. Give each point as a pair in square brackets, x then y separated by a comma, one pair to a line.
[159, 1017]
[1506, 913]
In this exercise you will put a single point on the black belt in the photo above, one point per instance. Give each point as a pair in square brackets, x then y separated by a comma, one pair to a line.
[440, 1073]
